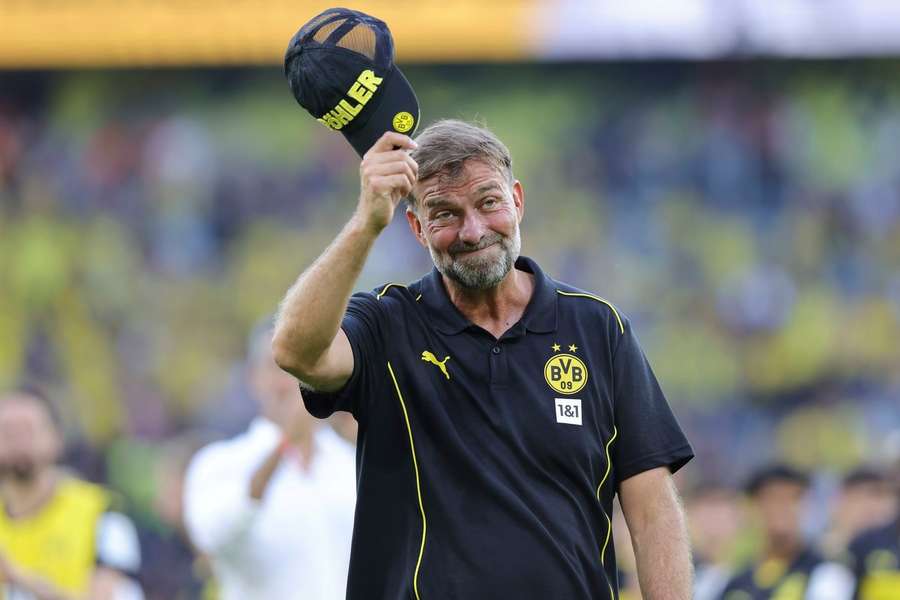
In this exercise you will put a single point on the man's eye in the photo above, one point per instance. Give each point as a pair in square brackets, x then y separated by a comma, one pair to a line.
[489, 202]
[444, 214]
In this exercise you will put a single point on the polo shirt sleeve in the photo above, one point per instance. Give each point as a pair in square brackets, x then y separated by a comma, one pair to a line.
[365, 326]
[648, 435]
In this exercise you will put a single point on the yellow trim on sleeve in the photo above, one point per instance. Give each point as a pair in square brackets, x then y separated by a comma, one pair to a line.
[598, 299]
[418, 484]
[608, 520]
[387, 287]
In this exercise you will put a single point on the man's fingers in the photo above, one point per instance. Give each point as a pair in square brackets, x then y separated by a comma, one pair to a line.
[392, 168]
[388, 157]
[391, 140]
[388, 174]
[392, 184]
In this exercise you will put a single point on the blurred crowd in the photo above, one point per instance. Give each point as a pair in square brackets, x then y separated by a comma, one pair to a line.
[746, 216]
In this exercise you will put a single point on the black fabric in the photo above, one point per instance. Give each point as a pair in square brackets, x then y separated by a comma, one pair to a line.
[396, 96]
[875, 560]
[321, 73]
[650, 435]
[747, 584]
[510, 494]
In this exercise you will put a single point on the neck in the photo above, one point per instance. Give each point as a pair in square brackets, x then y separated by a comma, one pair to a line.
[785, 550]
[302, 449]
[24, 498]
[495, 309]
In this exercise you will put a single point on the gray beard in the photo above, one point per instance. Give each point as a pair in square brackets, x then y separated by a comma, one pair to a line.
[480, 273]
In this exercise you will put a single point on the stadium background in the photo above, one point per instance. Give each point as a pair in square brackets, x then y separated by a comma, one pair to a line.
[730, 182]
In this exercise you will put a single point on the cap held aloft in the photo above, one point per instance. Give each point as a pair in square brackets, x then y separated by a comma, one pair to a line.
[340, 67]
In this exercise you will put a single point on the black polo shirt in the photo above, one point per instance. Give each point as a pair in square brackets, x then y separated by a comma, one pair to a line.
[486, 468]
[772, 579]
[875, 559]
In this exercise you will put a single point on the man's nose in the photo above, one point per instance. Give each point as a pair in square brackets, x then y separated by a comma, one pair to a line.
[472, 229]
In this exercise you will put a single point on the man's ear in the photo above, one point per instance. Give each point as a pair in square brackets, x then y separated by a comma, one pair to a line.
[415, 225]
[518, 193]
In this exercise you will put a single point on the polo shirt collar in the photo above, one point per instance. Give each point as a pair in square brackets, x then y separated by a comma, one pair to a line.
[540, 315]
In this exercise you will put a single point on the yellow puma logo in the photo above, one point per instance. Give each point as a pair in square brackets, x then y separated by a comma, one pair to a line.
[440, 364]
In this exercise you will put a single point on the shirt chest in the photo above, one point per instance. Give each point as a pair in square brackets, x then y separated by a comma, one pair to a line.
[543, 398]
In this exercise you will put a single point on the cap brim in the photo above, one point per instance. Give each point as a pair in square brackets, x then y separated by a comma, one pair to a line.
[397, 111]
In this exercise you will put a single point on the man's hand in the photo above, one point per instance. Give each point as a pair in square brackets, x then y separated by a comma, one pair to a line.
[387, 175]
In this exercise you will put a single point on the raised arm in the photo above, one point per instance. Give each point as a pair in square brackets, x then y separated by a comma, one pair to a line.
[658, 533]
[308, 341]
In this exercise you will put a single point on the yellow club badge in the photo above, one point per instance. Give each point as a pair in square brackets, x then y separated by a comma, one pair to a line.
[403, 121]
[565, 373]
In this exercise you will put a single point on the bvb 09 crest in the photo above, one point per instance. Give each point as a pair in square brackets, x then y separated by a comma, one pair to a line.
[565, 373]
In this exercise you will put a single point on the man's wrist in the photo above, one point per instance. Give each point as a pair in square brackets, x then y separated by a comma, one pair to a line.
[364, 226]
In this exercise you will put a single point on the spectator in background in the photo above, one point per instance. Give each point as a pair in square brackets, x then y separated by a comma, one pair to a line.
[273, 507]
[58, 537]
[713, 518]
[345, 425]
[788, 567]
[172, 569]
[875, 556]
[866, 499]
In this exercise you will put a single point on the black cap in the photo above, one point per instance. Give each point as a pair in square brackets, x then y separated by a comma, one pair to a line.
[340, 66]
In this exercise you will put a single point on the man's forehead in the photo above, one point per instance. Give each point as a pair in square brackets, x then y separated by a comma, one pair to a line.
[18, 406]
[474, 176]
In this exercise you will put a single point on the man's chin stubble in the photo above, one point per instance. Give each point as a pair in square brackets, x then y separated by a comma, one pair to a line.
[480, 276]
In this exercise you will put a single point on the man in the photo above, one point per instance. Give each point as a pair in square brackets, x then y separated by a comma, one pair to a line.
[713, 513]
[58, 537]
[499, 411]
[875, 555]
[173, 570]
[788, 567]
[272, 508]
[865, 500]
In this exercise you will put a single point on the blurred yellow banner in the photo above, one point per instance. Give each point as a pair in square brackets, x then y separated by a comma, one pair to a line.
[75, 33]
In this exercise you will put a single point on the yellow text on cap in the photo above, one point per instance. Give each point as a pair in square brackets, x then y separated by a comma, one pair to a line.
[361, 91]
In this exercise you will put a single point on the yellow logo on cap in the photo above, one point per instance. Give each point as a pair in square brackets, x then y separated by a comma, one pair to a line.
[565, 373]
[403, 121]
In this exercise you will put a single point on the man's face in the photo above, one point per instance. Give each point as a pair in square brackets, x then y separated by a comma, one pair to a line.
[713, 521]
[29, 441]
[866, 505]
[470, 224]
[780, 506]
[279, 395]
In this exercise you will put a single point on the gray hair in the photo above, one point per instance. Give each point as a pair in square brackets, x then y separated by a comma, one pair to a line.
[445, 146]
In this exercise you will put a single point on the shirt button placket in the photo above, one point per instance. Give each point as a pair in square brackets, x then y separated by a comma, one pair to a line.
[499, 367]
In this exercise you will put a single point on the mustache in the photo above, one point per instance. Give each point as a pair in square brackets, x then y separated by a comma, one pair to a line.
[458, 246]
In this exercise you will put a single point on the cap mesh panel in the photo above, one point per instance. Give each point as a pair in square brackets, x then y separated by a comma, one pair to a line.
[316, 21]
[322, 34]
[359, 39]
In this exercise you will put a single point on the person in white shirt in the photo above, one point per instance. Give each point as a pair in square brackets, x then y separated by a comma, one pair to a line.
[273, 507]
